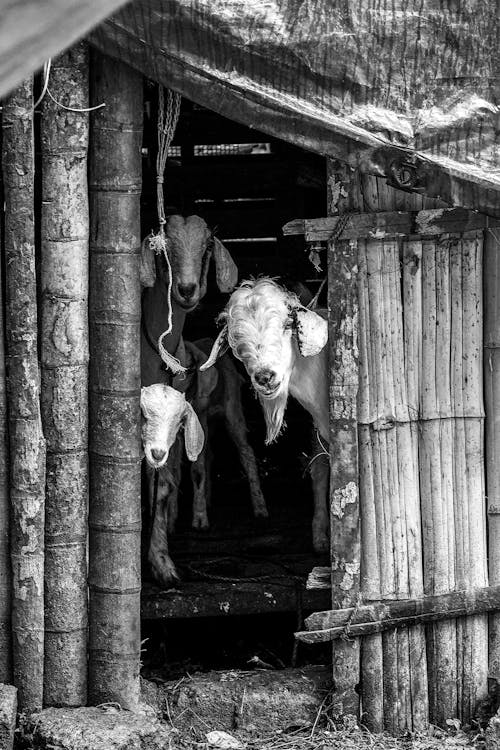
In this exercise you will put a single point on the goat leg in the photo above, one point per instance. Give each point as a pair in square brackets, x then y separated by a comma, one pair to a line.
[320, 476]
[237, 429]
[162, 567]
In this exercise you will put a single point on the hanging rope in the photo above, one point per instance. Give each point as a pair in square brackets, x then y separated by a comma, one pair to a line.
[168, 117]
[46, 91]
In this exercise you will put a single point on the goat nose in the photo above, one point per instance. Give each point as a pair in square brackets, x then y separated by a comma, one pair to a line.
[158, 454]
[187, 290]
[264, 377]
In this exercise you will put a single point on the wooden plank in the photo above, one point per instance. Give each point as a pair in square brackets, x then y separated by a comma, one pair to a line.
[217, 599]
[384, 615]
[392, 223]
[31, 32]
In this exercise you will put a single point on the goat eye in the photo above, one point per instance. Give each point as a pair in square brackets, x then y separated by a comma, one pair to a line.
[288, 324]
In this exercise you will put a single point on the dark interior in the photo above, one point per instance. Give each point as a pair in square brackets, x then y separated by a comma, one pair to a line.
[243, 579]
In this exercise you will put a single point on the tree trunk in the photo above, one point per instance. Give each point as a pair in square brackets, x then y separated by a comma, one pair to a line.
[5, 567]
[64, 354]
[27, 445]
[115, 443]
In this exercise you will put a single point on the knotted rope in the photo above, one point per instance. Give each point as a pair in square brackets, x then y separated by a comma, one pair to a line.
[167, 122]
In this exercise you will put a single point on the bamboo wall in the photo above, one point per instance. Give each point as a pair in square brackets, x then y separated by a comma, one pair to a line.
[420, 445]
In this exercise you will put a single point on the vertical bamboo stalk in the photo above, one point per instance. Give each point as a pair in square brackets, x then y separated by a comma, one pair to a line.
[491, 282]
[5, 567]
[436, 475]
[471, 553]
[64, 355]
[115, 486]
[27, 445]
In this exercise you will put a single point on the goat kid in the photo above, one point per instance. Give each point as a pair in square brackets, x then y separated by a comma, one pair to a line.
[210, 395]
[282, 345]
[165, 411]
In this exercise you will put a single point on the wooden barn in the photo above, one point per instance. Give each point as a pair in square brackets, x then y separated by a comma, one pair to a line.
[351, 154]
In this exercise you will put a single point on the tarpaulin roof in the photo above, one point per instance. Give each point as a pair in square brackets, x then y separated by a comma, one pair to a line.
[403, 88]
[31, 31]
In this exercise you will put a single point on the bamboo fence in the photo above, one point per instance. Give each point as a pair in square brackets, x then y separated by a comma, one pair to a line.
[27, 445]
[115, 442]
[64, 358]
[492, 407]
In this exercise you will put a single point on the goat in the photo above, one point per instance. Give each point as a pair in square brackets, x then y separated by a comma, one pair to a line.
[214, 394]
[189, 246]
[282, 345]
[165, 411]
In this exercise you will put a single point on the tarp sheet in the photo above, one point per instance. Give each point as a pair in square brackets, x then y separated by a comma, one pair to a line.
[408, 89]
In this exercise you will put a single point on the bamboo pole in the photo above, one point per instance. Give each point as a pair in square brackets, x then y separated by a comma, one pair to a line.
[491, 283]
[471, 553]
[27, 446]
[5, 567]
[64, 356]
[115, 479]
[436, 481]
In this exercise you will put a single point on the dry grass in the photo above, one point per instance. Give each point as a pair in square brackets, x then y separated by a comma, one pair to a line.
[345, 739]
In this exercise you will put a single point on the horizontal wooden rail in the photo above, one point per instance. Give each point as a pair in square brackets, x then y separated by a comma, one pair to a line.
[376, 617]
[390, 223]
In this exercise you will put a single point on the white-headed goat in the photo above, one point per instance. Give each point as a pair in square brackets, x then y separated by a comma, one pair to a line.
[165, 411]
[213, 394]
[282, 345]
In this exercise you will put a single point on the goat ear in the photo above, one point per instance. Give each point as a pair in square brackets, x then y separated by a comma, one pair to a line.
[148, 263]
[311, 330]
[226, 270]
[218, 349]
[194, 437]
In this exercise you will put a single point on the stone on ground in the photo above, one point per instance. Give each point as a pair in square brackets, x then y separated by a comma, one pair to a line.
[8, 710]
[259, 702]
[93, 729]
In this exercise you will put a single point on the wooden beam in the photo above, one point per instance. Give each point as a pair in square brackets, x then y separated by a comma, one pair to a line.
[391, 223]
[377, 617]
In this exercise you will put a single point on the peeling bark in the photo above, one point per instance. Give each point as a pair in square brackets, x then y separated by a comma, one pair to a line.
[115, 444]
[64, 354]
[27, 445]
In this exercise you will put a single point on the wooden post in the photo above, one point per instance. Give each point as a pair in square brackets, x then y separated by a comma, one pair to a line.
[491, 282]
[393, 667]
[5, 567]
[27, 445]
[64, 355]
[344, 478]
[115, 443]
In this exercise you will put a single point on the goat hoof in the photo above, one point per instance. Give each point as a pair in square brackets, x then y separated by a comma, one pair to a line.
[321, 543]
[260, 512]
[200, 522]
[164, 572]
